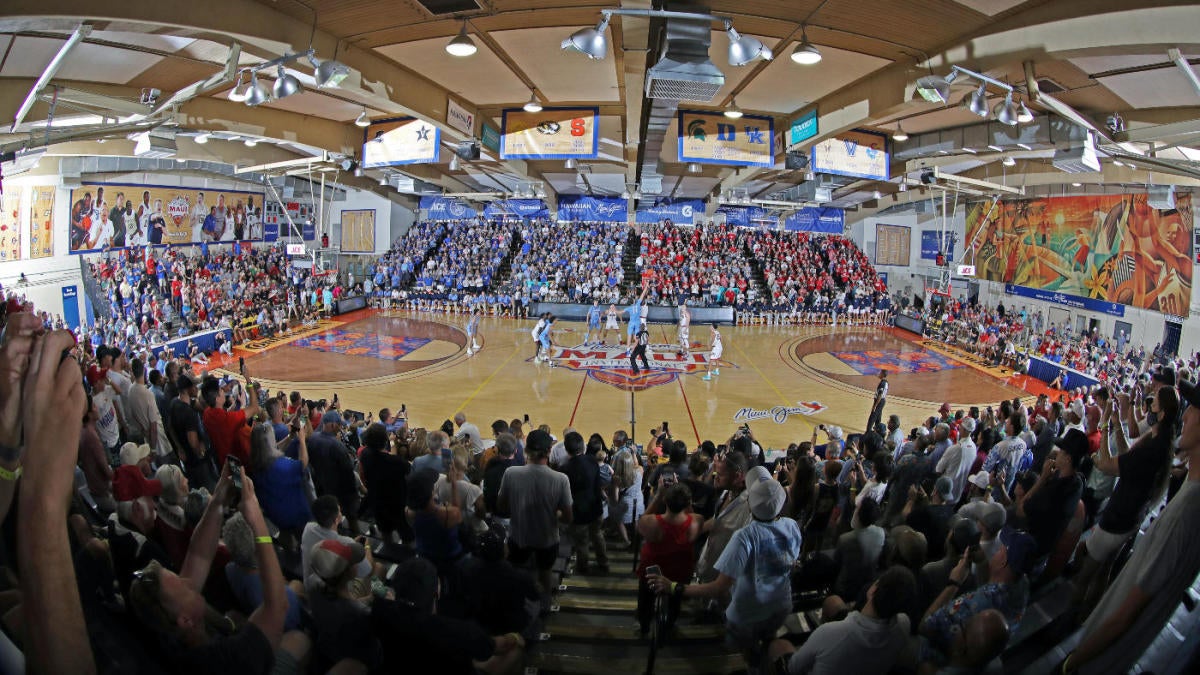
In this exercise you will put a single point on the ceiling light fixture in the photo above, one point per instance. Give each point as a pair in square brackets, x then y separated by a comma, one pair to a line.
[251, 142]
[1076, 184]
[591, 42]
[694, 167]
[570, 163]
[1006, 112]
[201, 139]
[286, 84]
[462, 44]
[733, 112]
[383, 181]
[258, 92]
[935, 88]
[1009, 161]
[533, 105]
[1023, 114]
[744, 49]
[806, 54]
[977, 102]
[899, 135]
[362, 120]
[1117, 162]
[240, 89]
[328, 73]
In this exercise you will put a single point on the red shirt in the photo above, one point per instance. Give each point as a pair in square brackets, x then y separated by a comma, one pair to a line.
[129, 483]
[223, 427]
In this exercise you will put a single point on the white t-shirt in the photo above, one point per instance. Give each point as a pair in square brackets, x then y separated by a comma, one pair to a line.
[106, 417]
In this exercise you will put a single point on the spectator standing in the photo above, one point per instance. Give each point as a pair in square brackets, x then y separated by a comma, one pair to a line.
[732, 513]
[1049, 506]
[587, 505]
[333, 466]
[537, 498]
[282, 481]
[669, 532]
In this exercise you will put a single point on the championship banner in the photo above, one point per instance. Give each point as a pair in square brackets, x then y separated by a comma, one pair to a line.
[853, 153]
[1112, 248]
[593, 209]
[442, 208]
[552, 133]
[10, 224]
[114, 216]
[828, 220]
[932, 244]
[679, 212]
[712, 138]
[41, 222]
[400, 141]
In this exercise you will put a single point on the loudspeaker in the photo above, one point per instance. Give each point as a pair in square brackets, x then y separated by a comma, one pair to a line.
[795, 161]
[467, 150]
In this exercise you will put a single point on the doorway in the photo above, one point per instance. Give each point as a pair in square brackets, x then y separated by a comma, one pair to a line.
[1170, 341]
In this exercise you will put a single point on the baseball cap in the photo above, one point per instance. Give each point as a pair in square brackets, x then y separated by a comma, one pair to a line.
[132, 453]
[539, 441]
[332, 417]
[1077, 409]
[967, 425]
[943, 486]
[1020, 549]
[96, 374]
[945, 408]
[332, 557]
[765, 494]
[964, 533]
[835, 432]
[1165, 376]
[993, 516]
[979, 480]
[1189, 392]
[1075, 444]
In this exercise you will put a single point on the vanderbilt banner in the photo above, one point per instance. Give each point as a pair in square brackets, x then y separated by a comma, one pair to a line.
[1114, 248]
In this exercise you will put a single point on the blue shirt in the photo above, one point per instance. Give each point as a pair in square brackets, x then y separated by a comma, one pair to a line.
[593, 316]
[759, 558]
[247, 588]
[429, 462]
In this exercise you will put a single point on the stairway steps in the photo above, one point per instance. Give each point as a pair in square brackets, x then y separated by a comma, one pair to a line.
[594, 659]
[622, 628]
[605, 583]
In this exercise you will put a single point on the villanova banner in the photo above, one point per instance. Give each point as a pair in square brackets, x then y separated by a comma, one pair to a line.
[679, 212]
[592, 209]
[442, 208]
[815, 219]
[517, 208]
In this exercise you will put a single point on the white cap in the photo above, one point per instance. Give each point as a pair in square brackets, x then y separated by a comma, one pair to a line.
[765, 494]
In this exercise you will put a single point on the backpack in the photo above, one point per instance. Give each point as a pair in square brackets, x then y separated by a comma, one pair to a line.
[624, 469]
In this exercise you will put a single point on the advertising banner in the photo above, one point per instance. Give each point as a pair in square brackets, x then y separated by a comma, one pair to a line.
[10, 224]
[400, 141]
[518, 208]
[679, 211]
[445, 208]
[749, 216]
[41, 222]
[712, 138]
[459, 117]
[853, 153]
[70, 301]
[110, 215]
[803, 128]
[593, 209]
[1111, 248]
[932, 244]
[490, 137]
[816, 219]
[552, 133]
[1078, 302]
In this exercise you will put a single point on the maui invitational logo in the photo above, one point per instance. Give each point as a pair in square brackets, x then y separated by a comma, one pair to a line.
[610, 365]
[178, 209]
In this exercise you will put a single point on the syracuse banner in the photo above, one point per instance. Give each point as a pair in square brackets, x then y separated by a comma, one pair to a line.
[593, 209]
[41, 222]
[1113, 248]
[827, 220]
[10, 224]
[679, 211]
[115, 216]
[445, 208]
[400, 141]
[712, 138]
[853, 153]
[552, 133]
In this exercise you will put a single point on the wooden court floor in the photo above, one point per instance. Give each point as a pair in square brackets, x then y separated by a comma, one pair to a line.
[783, 380]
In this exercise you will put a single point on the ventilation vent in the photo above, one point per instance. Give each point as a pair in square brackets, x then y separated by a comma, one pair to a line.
[442, 7]
[684, 72]
[1049, 86]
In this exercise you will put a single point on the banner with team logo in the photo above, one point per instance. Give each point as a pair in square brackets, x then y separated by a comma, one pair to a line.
[679, 211]
[517, 208]
[853, 153]
[10, 225]
[749, 216]
[41, 222]
[712, 138]
[593, 209]
[828, 220]
[113, 216]
[397, 142]
[552, 133]
[443, 208]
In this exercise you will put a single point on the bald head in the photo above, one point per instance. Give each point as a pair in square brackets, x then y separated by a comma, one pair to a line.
[983, 638]
[459, 418]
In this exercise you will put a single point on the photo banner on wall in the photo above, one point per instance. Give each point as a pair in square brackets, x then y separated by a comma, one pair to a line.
[156, 215]
[828, 220]
[712, 138]
[551, 133]
[41, 222]
[10, 224]
[593, 209]
[445, 208]
[397, 142]
[932, 243]
[852, 153]
[1112, 248]
[678, 211]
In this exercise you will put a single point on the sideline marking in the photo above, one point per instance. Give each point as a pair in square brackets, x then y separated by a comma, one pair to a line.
[487, 381]
[578, 398]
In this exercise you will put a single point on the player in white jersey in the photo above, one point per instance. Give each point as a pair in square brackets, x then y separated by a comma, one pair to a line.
[685, 327]
[536, 334]
[611, 322]
[714, 354]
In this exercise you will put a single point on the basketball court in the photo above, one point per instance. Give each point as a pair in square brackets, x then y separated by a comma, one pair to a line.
[782, 380]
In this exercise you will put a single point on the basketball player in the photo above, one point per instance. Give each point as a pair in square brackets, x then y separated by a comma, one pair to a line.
[643, 342]
[685, 325]
[714, 355]
[536, 334]
[473, 331]
[593, 322]
[611, 322]
[545, 341]
[881, 392]
[635, 316]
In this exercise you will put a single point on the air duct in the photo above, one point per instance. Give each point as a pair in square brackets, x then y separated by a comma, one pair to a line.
[1161, 197]
[1079, 158]
[684, 71]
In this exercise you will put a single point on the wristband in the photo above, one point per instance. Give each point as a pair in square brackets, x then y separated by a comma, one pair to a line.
[264, 540]
[5, 474]
[9, 453]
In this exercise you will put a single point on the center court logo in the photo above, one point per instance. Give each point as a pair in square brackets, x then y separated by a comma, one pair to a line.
[608, 364]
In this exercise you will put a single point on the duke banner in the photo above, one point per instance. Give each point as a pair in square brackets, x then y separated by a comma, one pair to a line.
[593, 209]
[400, 141]
[815, 219]
[679, 211]
[552, 133]
[443, 208]
[712, 138]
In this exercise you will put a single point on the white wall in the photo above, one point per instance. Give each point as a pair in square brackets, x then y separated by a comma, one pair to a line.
[391, 219]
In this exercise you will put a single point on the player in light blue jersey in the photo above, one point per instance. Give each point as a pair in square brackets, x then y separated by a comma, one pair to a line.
[593, 323]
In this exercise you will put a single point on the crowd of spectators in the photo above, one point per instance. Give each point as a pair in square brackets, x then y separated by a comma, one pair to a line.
[571, 262]
[705, 264]
[468, 257]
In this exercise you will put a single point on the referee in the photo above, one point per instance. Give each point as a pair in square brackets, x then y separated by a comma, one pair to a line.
[881, 391]
[643, 341]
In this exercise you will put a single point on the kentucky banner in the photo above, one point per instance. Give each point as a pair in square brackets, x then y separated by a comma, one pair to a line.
[1089, 304]
[443, 208]
[814, 219]
[400, 141]
[679, 211]
[552, 133]
[10, 224]
[853, 153]
[105, 216]
[41, 222]
[932, 244]
[517, 208]
[748, 216]
[593, 209]
[712, 138]
[1112, 248]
